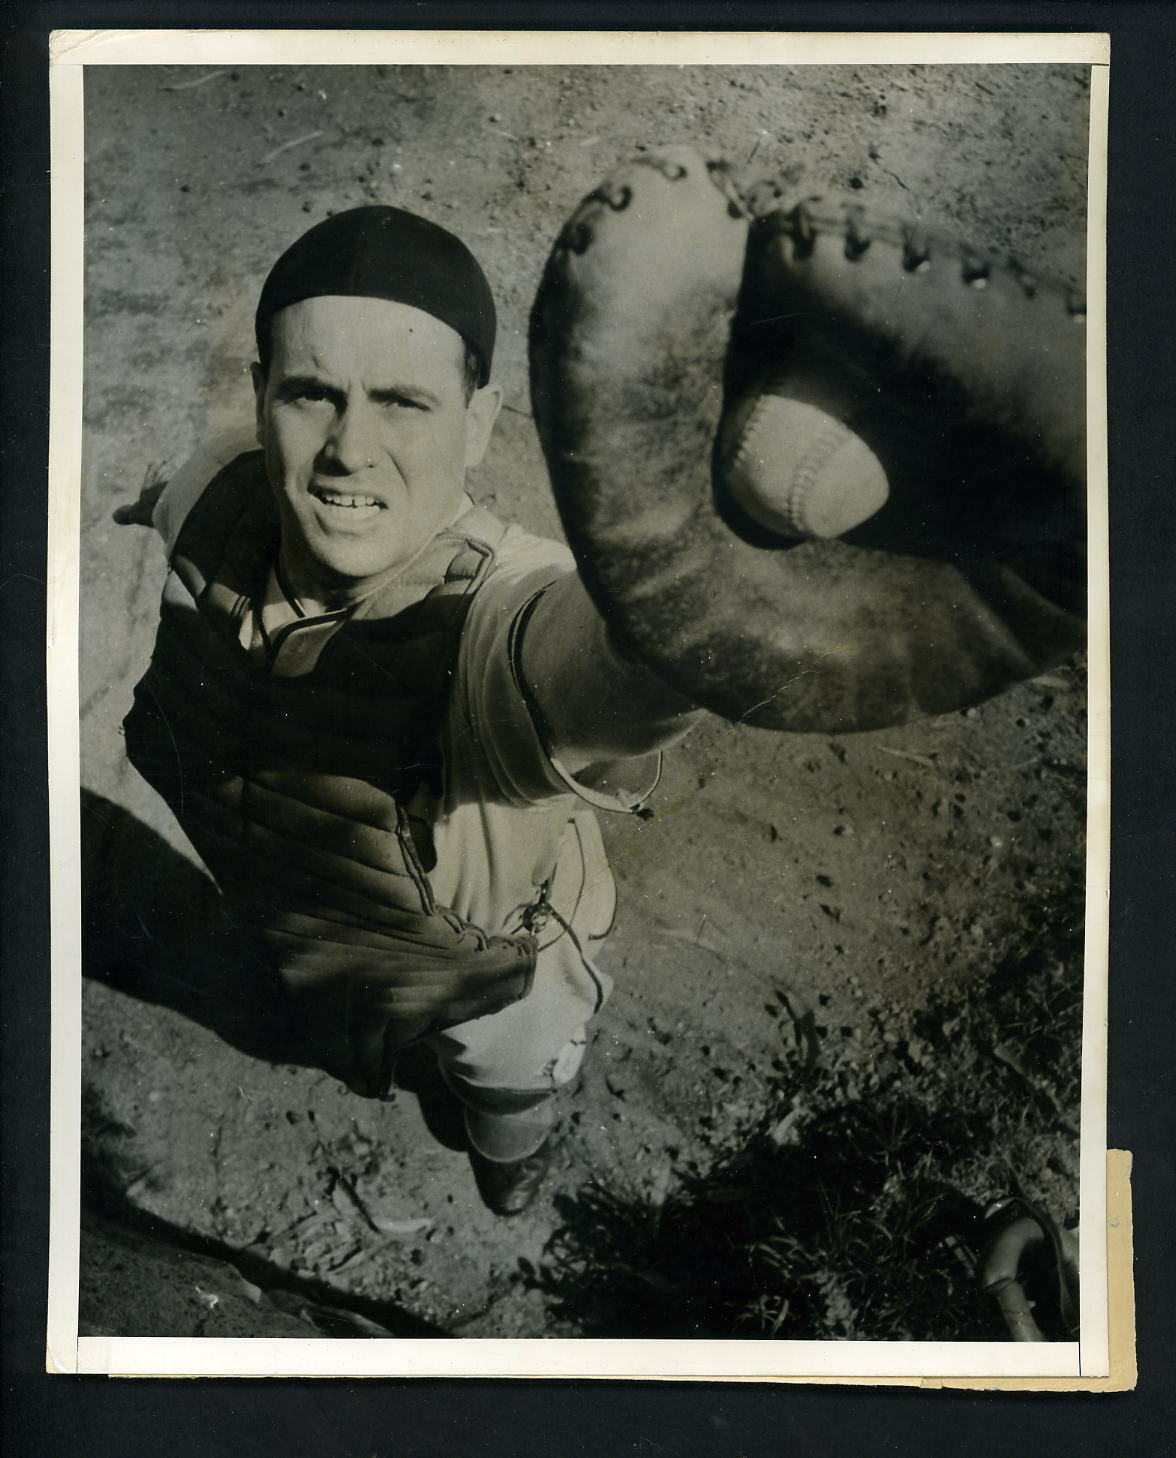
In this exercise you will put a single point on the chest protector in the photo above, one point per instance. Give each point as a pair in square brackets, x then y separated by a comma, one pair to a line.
[294, 790]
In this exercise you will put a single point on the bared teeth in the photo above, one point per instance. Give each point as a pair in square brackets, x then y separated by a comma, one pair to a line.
[336, 498]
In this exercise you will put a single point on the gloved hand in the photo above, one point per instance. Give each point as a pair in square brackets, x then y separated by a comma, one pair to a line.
[673, 300]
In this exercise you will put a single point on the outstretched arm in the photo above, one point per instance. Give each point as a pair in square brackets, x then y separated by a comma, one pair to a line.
[595, 703]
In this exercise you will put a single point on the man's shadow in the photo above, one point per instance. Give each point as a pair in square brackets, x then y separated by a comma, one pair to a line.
[155, 927]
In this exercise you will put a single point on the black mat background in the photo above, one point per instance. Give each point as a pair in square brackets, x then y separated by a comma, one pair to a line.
[379, 1419]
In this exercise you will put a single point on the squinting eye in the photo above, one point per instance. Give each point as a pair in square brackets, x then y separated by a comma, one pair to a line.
[294, 393]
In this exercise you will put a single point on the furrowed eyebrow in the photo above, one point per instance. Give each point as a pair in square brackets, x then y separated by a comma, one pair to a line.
[389, 394]
[295, 385]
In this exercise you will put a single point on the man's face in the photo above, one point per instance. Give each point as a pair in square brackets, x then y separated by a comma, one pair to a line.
[367, 437]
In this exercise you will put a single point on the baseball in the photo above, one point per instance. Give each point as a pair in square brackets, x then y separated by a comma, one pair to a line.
[801, 473]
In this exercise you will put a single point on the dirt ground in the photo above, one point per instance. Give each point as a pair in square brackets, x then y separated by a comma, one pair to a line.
[797, 901]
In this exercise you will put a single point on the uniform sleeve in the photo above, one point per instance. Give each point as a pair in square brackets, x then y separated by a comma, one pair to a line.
[499, 748]
[187, 485]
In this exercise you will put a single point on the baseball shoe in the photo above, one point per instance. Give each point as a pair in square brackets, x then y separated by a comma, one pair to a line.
[508, 1187]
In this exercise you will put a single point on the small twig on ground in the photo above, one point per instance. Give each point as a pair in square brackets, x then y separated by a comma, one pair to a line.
[804, 1027]
[658, 1194]
[199, 81]
[351, 1262]
[897, 178]
[1006, 1055]
[285, 147]
[345, 1187]
[908, 754]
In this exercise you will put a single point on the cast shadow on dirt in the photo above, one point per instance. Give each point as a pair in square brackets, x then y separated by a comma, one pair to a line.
[112, 1219]
[801, 1243]
[830, 1241]
[155, 927]
[863, 1202]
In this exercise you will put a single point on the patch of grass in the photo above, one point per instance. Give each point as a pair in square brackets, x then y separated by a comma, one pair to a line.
[855, 1208]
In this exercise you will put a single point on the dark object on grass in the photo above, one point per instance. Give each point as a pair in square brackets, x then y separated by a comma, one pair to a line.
[1029, 1265]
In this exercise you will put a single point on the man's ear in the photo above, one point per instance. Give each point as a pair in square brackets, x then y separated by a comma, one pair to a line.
[258, 376]
[481, 413]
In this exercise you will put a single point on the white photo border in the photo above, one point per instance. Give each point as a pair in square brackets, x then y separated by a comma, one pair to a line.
[70, 53]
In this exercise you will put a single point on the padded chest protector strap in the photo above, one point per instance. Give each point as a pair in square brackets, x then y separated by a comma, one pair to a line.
[293, 790]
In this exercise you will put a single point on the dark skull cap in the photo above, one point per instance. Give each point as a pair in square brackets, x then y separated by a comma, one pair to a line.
[385, 253]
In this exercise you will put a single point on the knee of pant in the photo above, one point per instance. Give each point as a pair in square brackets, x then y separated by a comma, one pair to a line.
[473, 1077]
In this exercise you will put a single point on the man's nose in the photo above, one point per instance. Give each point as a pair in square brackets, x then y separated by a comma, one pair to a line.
[352, 443]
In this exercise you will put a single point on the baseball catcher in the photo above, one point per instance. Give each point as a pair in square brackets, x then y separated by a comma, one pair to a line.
[817, 471]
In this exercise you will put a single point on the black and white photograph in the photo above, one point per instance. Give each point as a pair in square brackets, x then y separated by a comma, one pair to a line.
[589, 758]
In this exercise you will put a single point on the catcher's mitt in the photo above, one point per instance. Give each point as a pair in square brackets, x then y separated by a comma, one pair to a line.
[902, 373]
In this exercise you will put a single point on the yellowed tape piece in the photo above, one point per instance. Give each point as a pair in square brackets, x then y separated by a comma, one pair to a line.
[1120, 1314]
[1120, 1304]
